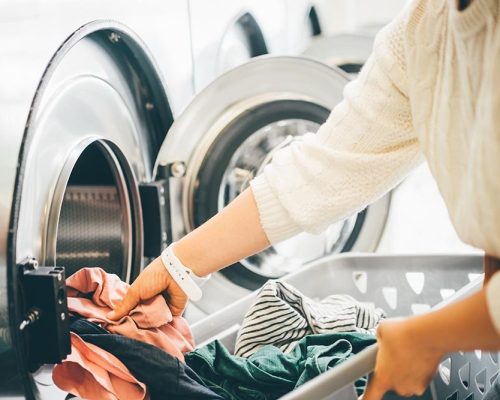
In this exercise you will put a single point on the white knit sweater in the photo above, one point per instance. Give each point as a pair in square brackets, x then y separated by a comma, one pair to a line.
[430, 89]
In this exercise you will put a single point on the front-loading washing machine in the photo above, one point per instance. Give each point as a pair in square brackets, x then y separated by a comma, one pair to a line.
[235, 126]
[84, 112]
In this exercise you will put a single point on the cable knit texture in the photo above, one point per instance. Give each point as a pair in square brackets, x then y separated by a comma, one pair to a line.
[430, 89]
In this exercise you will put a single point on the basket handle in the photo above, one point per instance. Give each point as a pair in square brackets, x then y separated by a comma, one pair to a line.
[338, 380]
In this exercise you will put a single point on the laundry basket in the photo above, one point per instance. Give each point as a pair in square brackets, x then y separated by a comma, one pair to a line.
[402, 285]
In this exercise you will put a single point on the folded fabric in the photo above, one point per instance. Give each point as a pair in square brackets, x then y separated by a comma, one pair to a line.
[92, 373]
[92, 293]
[269, 373]
[281, 316]
[164, 375]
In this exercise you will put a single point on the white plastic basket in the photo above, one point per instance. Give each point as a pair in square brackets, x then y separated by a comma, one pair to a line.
[402, 285]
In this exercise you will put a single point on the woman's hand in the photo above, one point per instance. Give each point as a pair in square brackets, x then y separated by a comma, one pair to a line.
[153, 280]
[410, 350]
[405, 362]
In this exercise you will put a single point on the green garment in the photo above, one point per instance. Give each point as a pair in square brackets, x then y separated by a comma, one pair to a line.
[269, 373]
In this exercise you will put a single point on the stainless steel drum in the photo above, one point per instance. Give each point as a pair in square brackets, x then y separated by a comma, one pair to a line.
[90, 223]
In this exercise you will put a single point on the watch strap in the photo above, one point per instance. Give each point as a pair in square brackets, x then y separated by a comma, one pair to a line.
[181, 274]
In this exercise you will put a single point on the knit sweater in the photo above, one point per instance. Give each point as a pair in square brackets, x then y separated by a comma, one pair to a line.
[430, 89]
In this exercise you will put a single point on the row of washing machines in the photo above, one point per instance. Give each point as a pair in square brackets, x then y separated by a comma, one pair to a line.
[125, 126]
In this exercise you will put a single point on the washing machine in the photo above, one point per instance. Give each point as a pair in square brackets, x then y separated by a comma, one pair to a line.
[227, 33]
[85, 109]
[235, 126]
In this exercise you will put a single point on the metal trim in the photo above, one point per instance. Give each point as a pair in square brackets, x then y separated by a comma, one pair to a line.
[49, 241]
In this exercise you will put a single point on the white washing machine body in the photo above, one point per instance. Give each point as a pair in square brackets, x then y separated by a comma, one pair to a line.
[304, 24]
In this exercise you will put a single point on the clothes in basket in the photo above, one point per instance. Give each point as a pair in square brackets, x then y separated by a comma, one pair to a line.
[281, 316]
[92, 293]
[164, 375]
[90, 371]
[270, 373]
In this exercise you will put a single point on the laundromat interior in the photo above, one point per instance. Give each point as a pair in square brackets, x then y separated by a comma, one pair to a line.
[250, 199]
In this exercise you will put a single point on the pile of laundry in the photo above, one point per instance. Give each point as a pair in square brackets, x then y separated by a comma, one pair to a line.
[285, 340]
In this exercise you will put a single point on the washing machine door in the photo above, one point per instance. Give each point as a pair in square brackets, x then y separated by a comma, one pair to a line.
[229, 133]
[98, 110]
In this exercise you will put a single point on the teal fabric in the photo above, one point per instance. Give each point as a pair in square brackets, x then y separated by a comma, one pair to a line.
[269, 373]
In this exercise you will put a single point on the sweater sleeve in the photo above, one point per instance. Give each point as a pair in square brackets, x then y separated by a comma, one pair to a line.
[363, 150]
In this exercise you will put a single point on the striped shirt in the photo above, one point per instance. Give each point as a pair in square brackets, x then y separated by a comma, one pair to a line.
[281, 316]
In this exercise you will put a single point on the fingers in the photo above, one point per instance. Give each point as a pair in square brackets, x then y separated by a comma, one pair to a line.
[176, 310]
[176, 301]
[375, 389]
[176, 298]
[130, 300]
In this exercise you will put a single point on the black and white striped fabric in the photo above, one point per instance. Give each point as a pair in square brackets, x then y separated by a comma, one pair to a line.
[281, 316]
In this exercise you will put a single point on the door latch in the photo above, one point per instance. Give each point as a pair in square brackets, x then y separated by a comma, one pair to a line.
[155, 200]
[45, 324]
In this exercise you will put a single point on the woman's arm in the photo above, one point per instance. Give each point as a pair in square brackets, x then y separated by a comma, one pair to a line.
[231, 235]
[365, 148]
[410, 350]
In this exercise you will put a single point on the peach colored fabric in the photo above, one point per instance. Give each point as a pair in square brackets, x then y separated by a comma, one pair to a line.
[92, 373]
[92, 293]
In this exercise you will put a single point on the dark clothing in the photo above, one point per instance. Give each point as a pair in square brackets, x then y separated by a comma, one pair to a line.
[164, 375]
[269, 373]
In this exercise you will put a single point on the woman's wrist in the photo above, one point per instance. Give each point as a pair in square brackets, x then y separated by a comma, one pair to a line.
[423, 333]
[462, 326]
[186, 255]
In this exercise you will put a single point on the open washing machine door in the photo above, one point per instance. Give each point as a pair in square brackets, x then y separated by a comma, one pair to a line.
[95, 125]
[225, 137]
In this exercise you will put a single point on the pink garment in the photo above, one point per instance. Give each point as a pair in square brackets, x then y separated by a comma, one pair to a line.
[92, 293]
[92, 373]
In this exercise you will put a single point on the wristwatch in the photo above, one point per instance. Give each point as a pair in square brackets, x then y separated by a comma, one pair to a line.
[182, 275]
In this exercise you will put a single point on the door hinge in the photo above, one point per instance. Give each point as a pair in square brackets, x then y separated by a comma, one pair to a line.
[45, 322]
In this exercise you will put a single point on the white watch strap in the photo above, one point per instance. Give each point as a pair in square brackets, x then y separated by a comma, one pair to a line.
[181, 274]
